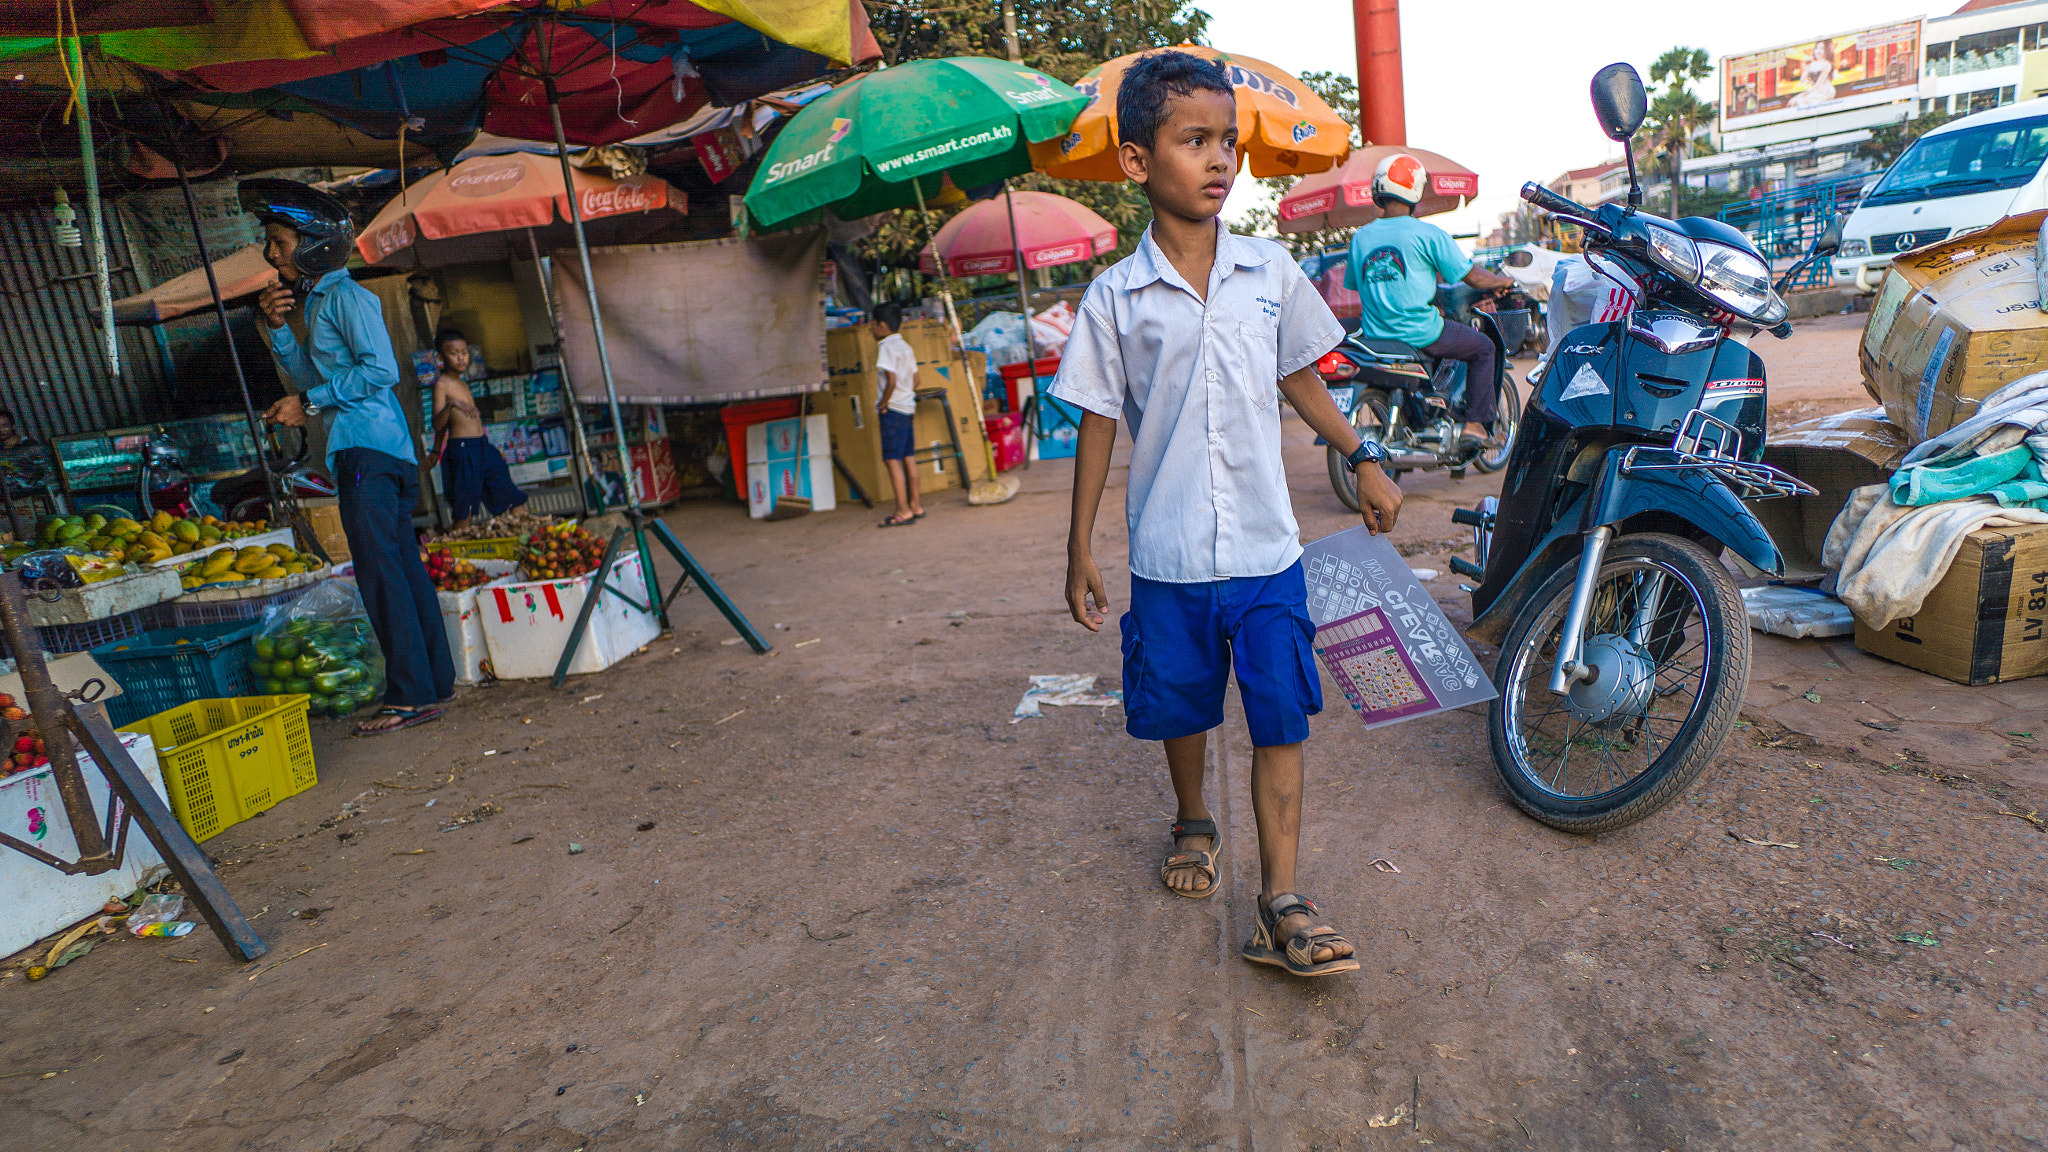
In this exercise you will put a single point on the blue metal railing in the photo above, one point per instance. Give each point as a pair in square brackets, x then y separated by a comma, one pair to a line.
[1783, 224]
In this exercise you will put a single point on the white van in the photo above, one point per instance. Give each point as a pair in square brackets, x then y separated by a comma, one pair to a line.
[1960, 177]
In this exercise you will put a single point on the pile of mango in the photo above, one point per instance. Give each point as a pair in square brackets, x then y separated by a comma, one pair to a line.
[237, 565]
[122, 539]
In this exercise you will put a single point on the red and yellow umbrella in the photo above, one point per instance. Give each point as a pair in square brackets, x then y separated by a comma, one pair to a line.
[1283, 127]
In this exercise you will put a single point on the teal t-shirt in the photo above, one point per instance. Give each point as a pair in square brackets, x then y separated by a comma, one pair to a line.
[1396, 263]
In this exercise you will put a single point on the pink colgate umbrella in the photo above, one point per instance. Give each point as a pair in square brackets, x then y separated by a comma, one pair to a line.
[1050, 230]
[1342, 197]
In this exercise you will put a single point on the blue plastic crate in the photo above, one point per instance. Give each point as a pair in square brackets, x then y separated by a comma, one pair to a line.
[157, 674]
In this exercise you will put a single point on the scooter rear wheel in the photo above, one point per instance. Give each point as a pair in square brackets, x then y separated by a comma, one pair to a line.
[1670, 637]
[1507, 417]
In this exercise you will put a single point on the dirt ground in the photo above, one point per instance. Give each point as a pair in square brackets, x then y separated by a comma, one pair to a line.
[834, 898]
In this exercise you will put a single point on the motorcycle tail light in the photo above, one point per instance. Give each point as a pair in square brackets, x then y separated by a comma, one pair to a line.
[1334, 366]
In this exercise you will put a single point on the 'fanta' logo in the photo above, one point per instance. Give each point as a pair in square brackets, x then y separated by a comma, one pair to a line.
[1089, 86]
[1243, 77]
[1072, 142]
[840, 127]
[1303, 131]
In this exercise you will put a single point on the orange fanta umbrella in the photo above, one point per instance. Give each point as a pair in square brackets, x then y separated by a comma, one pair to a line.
[1283, 127]
[1342, 197]
[451, 217]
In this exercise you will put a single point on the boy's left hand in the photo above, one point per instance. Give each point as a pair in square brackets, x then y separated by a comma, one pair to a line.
[1379, 498]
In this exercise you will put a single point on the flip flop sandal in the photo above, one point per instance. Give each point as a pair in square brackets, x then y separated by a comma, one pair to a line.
[1263, 948]
[897, 522]
[919, 516]
[412, 716]
[1203, 861]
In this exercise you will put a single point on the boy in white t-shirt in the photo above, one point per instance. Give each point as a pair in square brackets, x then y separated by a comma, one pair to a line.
[1191, 341]
[896, 369]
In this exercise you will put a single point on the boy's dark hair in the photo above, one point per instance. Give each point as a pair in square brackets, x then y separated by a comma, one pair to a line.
[447, 334]
[1157, 77]
[889, 314]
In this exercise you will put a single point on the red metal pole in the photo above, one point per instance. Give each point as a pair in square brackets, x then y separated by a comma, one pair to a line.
[1384, 115]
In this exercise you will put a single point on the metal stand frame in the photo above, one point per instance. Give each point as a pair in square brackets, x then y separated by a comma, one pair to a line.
[656, 603]
[101, 845]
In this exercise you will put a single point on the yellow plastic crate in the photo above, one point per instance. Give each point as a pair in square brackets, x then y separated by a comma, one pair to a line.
[496, 548]
[226, 760]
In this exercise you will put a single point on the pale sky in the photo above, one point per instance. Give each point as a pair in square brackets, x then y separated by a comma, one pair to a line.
[1501, 86]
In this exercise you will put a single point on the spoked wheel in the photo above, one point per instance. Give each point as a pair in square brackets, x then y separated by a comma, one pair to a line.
[1507, 416]
[1669, 638]
[1370, 418]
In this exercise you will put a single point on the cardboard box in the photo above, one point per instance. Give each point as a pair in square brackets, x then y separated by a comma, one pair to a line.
[1836, 454]
[856, 434]
[324, 515]
[1953, 323]
[1985, 621]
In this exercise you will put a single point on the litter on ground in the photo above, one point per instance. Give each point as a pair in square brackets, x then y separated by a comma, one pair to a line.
[1063, 690]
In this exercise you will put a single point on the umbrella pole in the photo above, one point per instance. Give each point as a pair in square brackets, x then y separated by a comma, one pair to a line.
[579, 467]
[75, 59]
[220, 310]
[604, 356]
[657, 604]
[945, 283]
[1023, 293]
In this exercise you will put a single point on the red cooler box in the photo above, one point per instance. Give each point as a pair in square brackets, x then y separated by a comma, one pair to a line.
[1006, 439]
[1020, 373]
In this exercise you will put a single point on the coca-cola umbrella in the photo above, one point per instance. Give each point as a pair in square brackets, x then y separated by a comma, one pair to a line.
[1342, 197]
[1040, 228]
[495, 207]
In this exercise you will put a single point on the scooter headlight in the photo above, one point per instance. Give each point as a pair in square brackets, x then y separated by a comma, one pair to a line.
[1676, 252]
[1740, 282]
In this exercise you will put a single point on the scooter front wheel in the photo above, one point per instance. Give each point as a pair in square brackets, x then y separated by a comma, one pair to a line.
[1668, 639]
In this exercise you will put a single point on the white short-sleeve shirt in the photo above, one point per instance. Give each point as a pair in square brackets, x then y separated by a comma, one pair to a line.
[894, 356]
[1197, 382]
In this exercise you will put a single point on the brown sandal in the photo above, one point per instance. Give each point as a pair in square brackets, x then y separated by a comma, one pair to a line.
[1203, 862]
[1263, 948]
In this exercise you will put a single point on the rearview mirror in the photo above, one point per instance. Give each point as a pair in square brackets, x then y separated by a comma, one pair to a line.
[1830, 240]
[1619, 101]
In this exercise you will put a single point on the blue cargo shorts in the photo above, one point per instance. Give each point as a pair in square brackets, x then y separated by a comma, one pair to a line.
[1182, 640]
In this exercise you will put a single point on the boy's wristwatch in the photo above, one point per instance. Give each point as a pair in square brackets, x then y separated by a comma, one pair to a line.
[1369, 452]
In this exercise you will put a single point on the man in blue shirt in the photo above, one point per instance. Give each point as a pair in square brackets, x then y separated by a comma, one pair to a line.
[1396, 264]
[347, 375]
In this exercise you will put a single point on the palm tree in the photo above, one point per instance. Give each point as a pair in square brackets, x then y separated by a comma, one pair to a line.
[1676, 113]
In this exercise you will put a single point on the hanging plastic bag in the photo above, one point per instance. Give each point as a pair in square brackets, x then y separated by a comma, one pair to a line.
[320, 646]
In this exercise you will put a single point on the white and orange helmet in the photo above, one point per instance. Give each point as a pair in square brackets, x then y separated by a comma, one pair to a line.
[1400, 176]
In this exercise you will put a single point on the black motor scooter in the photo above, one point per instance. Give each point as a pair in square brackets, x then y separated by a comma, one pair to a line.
[1624, 643]
[1407, 401]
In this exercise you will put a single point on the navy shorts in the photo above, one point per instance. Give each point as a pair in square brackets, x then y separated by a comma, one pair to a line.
[473, 474]
[1182, 640]
[898, 430]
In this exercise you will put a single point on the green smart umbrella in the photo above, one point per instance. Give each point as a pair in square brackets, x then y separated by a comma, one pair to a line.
[883, 140]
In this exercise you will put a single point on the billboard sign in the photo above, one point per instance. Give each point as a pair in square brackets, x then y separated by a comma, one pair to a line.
[1832, 74]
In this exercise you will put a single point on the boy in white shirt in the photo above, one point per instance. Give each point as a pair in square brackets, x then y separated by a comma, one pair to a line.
[1216, 576]
[896, 369]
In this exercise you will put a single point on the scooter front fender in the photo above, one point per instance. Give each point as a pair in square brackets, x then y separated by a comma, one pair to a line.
[1693, 495]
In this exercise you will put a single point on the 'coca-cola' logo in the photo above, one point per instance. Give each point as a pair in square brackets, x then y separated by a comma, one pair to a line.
[625, 196]
[390, 239]
[488, 177]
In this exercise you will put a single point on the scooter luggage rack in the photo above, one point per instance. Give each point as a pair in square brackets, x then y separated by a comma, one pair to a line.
[1710, 445]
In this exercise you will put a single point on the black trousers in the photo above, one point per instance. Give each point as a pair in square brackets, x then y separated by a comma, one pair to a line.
[378, 493]
[1461, 343]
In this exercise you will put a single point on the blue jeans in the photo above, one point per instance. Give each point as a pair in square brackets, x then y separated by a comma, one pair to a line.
[378, 493]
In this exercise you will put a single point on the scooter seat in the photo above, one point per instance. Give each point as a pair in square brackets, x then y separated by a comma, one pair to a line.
[1389, 349]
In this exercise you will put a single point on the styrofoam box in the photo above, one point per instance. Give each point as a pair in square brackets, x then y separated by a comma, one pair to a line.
[775, 479]
[39, 899]
[465, 628]
[527, 624]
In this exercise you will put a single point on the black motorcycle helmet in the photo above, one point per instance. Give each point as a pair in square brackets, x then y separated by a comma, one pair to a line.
[325, 232]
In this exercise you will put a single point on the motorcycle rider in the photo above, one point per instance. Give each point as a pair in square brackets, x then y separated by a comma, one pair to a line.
[1396, 263]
